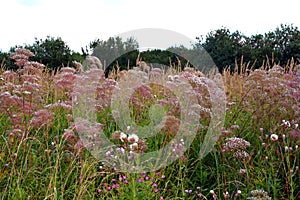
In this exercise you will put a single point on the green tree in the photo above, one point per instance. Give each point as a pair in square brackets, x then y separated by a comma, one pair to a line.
[108, 50]
[225, 47]
[6, 62]
[195, 56]
[53, 52]
[260, 50]
[287, 45]
[278, 46]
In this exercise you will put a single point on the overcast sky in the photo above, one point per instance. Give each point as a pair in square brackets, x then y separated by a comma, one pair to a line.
[78, 22]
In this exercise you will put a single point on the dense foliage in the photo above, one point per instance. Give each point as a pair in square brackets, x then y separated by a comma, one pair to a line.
[277, 46]
[52, 52]
[225, 48]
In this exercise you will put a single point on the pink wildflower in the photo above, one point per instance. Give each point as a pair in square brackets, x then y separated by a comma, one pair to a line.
[42, 118]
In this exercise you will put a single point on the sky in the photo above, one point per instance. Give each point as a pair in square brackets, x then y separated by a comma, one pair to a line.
[79, 22]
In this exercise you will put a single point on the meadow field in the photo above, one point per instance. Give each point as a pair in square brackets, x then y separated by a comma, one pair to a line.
[256, 155]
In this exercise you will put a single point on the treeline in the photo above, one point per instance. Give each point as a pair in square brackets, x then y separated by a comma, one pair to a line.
[278, 46]
[224, 47]
[52, 52]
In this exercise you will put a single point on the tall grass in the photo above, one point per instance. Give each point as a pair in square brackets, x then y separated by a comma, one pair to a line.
[256, 157]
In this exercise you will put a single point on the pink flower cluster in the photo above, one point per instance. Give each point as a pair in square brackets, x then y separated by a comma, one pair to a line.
[21, 56]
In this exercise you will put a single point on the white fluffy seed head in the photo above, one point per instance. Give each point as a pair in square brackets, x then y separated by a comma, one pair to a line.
[133, 138]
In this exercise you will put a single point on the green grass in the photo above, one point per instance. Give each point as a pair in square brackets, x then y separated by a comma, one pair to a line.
[39, 163]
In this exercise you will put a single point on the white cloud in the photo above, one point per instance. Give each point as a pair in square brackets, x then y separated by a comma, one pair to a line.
[29, 2]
